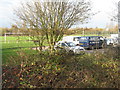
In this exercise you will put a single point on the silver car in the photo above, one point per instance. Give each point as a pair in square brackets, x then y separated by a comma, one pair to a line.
[69, 47]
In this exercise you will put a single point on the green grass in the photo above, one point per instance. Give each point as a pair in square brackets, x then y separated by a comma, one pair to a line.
[10, 49]
[7, 53]
[12, 46]
[17, 45]
[14, 38]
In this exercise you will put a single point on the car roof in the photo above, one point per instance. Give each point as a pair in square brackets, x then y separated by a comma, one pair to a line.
[91, 36]
[64, 42]
[72, 36]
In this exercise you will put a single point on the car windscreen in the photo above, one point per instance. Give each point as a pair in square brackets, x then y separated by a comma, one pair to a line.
[94, 39]
[76, 38]
[63, 44]
[70, 44]
[83, 39]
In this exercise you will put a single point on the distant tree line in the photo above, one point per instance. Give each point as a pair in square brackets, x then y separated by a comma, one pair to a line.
[14, 29]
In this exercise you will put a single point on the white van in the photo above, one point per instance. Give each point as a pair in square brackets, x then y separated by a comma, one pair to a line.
[74, 39]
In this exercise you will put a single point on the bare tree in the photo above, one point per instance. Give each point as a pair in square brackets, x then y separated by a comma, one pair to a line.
[114, 13]
[52, 19]
[116, 16]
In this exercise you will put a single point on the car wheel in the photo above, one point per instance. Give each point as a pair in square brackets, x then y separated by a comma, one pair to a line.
[71, 52]
[91, 47]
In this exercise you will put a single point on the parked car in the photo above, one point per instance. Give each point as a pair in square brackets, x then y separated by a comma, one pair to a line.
[112, 41]
[91, 42]
[69, 47]
[109, 41]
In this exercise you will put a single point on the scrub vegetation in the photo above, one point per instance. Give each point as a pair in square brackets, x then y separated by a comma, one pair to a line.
[61, 70]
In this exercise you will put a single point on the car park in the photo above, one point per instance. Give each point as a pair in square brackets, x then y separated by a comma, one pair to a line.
[69, 47]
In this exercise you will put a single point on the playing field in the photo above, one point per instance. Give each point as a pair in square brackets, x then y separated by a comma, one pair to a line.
[12, 44]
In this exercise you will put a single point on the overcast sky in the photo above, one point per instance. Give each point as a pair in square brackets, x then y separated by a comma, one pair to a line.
[100, 20]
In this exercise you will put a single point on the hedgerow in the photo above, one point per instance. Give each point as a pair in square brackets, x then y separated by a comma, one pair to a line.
[61, 70]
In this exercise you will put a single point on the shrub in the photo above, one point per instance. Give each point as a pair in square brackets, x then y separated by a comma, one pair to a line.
[61, 70]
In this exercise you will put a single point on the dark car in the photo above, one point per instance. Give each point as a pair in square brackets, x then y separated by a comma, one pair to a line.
[90, 42]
